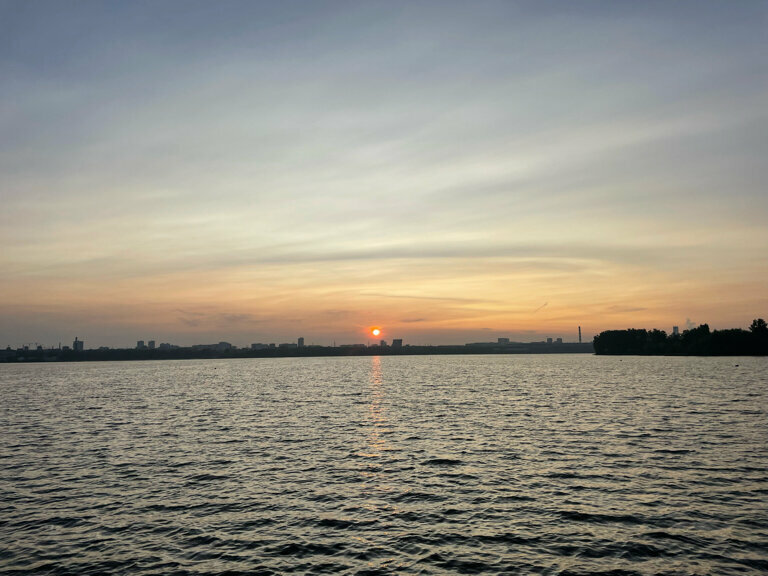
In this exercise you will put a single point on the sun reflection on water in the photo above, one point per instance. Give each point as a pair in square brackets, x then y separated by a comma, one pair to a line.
[376, 447]
[376, 412]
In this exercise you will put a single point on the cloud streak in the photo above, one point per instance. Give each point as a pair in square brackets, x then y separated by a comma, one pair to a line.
[264, 163]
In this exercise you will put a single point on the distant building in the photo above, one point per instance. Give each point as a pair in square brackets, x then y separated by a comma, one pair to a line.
[288, 345]
[675, 330]
[140, 345]
[151, 345]
[259, 346]
[503, 341]
[301, 343]
[397, 343]
[549, 340]
[77, 345]
[559, 341]
[220, 347]
[383, 343]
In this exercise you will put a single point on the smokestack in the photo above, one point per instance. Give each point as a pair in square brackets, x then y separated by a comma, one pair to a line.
[579, 334]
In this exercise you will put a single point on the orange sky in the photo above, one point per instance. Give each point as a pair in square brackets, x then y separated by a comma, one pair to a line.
[451, 176]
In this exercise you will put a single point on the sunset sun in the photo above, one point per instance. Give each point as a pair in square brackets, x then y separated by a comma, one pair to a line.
[376, 331]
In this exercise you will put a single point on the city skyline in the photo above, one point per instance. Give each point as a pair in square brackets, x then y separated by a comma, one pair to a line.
[372, 336]
[452, 172]
[370, 340]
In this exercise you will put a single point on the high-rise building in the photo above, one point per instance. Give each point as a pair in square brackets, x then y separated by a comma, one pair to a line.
[77, 345]
[675, 331]
[301, 342]
[151, 345]
[549, 340]
[397, 343]
[140, 345]
[558, 341]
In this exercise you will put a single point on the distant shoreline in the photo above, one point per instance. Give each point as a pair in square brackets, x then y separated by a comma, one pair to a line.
[132, 354]
[691, 342]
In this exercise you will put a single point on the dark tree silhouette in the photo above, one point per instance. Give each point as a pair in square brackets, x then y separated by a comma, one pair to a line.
[698, 341]
[758, 326]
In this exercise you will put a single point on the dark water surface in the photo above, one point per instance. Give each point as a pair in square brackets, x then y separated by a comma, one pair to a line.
[392, 465]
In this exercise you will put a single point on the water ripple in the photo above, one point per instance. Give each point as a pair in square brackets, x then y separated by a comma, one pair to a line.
[397, 465]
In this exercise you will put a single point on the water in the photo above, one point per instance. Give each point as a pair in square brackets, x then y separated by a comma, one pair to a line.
[392, 465]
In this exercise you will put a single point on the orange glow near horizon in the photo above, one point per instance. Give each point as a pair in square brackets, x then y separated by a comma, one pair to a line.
[376, 331]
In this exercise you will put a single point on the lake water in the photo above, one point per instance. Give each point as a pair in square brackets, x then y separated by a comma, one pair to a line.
[568, 464]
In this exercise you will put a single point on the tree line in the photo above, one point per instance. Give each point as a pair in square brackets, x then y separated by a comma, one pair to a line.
[700, 341]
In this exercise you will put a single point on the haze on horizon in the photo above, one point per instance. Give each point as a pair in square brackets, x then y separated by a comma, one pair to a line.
[451, 171]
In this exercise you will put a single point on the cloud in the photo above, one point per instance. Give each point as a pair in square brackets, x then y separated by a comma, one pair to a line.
[620, 308]
[422, 297]
[197, 319]
[238, 318]
[338, 313]
[271, 161]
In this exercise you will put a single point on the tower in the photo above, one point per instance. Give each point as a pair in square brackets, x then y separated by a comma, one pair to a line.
[579, 334]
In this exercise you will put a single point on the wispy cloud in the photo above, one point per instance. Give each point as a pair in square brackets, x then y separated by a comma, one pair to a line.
[422, 297]
[626, 309]
[334, 162]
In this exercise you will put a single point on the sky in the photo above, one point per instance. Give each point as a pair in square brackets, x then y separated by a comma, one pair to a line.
[193, 172]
